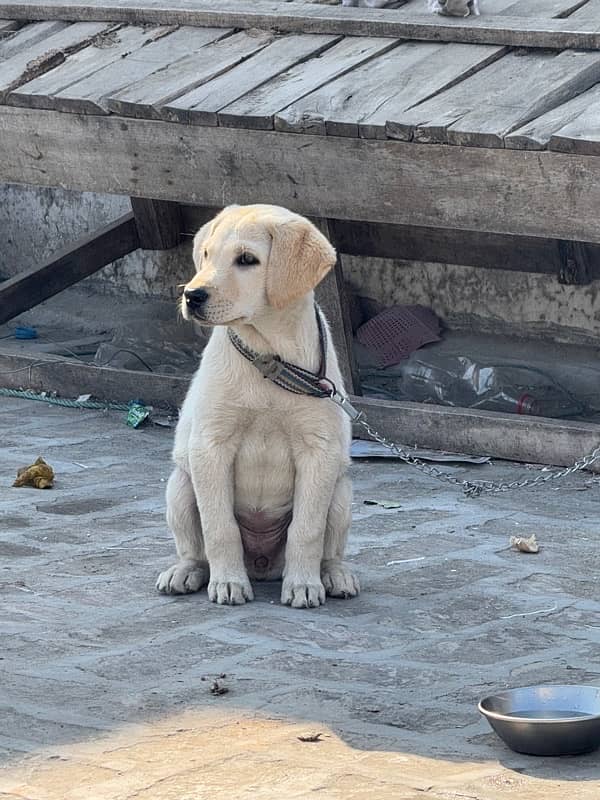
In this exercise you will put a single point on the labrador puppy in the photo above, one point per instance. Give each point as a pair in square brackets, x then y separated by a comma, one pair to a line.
[259, 489]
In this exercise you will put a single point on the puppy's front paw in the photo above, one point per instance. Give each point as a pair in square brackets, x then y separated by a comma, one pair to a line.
[230, 592]
[302, 595]
[339, 580]
[183, 578]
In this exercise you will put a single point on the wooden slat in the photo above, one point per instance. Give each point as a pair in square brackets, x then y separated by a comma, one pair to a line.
[45, 54]
[321, 19]
[501, 191]
[146, 97]
[69, 266]
[483, 109]
[200, 106]
[88, 95]
[258, 108]
[582, 135]
[536, 134]
[361, 101]
[589, 11]
[41, 91]
[28, 36]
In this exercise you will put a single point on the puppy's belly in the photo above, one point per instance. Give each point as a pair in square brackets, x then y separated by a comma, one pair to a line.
[264, 538]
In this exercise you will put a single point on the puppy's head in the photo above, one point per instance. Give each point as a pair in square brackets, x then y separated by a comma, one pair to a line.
[252, 258]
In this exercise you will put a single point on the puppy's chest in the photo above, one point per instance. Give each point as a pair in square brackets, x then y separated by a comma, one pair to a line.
[264, 450]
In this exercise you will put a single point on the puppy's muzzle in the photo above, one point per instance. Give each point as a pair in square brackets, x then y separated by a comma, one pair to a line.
[196, 300]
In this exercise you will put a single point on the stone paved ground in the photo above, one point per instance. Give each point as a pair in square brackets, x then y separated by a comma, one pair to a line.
[105, 685]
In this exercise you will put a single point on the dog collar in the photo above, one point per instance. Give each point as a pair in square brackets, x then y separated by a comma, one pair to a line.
[289, 376]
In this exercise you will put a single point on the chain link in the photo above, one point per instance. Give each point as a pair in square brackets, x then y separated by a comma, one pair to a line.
[471, 488]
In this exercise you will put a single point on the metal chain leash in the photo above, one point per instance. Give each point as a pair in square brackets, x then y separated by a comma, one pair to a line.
[470, 488]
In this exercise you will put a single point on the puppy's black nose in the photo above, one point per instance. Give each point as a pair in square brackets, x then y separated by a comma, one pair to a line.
[195, 298]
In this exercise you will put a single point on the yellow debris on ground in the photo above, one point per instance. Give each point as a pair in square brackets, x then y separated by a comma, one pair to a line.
[40, 475]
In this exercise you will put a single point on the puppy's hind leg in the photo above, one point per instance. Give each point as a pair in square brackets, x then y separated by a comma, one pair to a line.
[190, 573]
[338, 579]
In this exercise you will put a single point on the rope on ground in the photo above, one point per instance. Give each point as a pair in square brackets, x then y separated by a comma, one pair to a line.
[25, 394]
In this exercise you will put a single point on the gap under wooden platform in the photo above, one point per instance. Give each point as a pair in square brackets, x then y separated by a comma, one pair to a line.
[507, 436]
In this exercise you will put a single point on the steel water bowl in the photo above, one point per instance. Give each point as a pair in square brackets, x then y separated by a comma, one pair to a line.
[546, 720]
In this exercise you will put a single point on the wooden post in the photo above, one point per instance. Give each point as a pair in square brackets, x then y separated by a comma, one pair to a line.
[158, 223]
[332, 296]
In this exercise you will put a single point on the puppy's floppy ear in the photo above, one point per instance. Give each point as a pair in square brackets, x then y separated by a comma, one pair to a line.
[300, 258]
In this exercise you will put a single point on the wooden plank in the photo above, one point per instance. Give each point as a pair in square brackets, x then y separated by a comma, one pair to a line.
[361, 101]
[28, 36]
[332, 297]
[536, 134]
[158, 222]
[484, 108]
[258, 108]
[467, 248]
[70, 378]
[146, 97]
[582, 135]
[88, 95]
[501, 191]
[512, 31]
[589, 11]
[69, 266]
[534, 440]
[200, 106]
[41, 91]
[7, 26]
[45, 54]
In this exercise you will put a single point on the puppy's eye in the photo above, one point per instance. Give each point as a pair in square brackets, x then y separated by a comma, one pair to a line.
[246, 260]
[206, 254]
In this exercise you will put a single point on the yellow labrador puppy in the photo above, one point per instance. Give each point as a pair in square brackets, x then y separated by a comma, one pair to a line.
[260, 490]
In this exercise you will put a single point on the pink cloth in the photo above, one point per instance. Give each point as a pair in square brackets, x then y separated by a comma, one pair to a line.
[395, 333]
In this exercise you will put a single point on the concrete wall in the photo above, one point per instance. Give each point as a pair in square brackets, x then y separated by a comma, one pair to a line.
[35, 222]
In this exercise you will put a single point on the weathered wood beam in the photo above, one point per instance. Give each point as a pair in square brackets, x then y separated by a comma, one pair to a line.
[296, 17]
[158, 223]
[465, 188]
[536, 440]
[70, 265]
[575, 262]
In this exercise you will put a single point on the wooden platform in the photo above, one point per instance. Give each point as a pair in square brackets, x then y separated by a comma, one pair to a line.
[440, 136]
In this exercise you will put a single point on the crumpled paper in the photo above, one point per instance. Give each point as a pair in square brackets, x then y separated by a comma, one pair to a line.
[40, 475]
[523, 545]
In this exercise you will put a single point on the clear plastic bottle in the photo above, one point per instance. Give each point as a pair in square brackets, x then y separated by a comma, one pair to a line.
[462, 382]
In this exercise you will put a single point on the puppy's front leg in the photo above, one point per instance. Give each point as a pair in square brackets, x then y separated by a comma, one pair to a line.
[316, 476]
[212, 478]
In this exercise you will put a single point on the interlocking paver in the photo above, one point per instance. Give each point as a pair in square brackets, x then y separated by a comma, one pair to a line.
[105, 685]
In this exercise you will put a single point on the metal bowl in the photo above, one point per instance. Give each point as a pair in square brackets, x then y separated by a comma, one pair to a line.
[546, 720]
